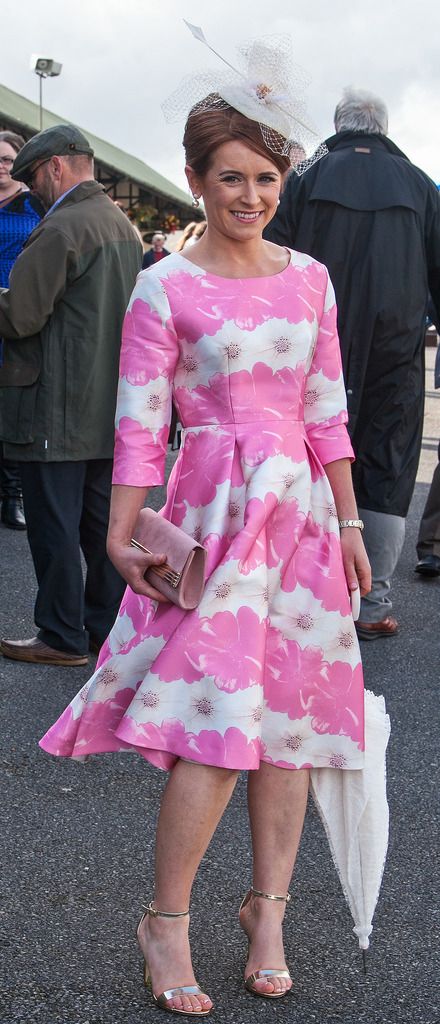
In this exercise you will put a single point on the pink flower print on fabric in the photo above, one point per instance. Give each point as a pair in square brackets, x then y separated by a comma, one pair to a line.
[169, 736]
[205, 404]
[227, 648]
[270, 394]
[329, 441]
[96, 726]
[202, 303]
[207, 463]
[336, 704]
[60, 738]
[317, 565]
[286, 764]
[249, 546]
[327, 357]
[289, 292]
[104, 653]
[217, 548]
[284, 530]
[245, 302]
[315, 280]
[245, 306]
[151, 448]
[271, 438]
[195, 299]
[233, 750]
[139, 611]
[148, 405]
[291, 673]
[135, 364]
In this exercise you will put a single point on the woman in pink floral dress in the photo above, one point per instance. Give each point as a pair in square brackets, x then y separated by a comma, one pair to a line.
[265, 674]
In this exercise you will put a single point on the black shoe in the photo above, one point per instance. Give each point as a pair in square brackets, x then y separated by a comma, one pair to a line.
[429, 565]
[12, 514]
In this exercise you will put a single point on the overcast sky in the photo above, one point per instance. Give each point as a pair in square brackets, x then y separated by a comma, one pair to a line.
[121, 58]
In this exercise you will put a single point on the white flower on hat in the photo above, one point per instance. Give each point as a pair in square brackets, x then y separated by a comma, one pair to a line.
[266, 87]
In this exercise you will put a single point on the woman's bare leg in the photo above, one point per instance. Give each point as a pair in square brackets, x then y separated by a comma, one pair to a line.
[277, 800]
[192, 805]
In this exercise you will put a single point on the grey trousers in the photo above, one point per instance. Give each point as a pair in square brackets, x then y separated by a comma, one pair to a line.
[428, 541]
[383, 538]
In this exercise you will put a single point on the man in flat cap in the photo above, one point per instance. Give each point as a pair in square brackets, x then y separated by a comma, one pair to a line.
[61, 321]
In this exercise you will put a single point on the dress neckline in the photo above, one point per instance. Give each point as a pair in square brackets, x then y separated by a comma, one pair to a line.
[222, 277]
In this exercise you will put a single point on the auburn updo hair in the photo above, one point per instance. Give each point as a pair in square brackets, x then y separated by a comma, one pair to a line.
[206, 130]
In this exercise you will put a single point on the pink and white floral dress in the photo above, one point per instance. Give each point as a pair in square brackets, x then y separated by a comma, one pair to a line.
[268, 666]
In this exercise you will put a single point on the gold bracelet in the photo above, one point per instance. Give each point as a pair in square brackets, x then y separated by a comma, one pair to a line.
[351, 522]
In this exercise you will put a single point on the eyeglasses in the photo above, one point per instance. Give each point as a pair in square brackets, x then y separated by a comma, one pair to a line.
[30, 175]
[7, 160]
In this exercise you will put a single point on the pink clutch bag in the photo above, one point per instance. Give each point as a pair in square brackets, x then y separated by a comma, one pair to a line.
[182, 577]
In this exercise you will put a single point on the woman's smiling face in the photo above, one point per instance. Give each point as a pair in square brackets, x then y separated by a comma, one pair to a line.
[240, 191]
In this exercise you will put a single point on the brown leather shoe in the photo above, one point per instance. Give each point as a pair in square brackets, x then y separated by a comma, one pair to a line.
[35, 651]
[376, 630]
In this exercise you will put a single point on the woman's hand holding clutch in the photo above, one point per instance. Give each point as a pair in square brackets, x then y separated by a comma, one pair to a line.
[132, 564]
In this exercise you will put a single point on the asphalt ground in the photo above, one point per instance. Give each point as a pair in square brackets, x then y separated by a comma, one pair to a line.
[77, 847]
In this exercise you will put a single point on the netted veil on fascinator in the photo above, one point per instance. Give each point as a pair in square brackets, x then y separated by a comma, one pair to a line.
[266, 87]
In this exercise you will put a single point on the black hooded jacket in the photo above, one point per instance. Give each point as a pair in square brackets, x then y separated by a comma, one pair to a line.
[373, 218]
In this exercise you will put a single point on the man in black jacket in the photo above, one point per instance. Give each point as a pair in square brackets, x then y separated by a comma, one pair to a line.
[373, 218]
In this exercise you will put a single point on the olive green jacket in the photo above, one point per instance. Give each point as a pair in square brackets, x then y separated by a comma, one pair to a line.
[61, 320]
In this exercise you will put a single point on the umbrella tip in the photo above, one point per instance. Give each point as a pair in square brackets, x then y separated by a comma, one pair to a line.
[364, 960]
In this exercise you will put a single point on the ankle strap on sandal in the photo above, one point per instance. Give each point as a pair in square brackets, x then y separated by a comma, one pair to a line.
[269, 896]
[152, 912]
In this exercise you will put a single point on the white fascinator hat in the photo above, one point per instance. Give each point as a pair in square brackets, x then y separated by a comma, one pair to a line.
[266, 86]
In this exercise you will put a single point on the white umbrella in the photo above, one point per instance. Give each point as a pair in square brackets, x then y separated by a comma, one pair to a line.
[354, 810]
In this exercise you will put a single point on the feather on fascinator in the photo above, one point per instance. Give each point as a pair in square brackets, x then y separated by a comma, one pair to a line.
[266, 87]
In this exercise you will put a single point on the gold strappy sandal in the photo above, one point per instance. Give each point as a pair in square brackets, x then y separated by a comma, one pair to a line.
[170, 993]
[271, 972]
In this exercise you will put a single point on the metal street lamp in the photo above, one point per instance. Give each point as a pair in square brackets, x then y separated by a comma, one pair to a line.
[44, 68]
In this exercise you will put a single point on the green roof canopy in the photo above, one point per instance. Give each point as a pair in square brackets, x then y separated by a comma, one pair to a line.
[26, 113]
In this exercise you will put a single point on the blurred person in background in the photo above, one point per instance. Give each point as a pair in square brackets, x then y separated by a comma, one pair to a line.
[428, 540]
[20, 212]
[124, 210]
[373, 218]
[157, 251]
[185, 236]
[193, 231]
[199, 230]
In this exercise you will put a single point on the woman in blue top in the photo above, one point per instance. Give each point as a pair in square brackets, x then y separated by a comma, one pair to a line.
[20, 212]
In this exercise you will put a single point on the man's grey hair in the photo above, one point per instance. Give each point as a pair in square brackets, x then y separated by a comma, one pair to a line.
[361, 111]
[79, 162]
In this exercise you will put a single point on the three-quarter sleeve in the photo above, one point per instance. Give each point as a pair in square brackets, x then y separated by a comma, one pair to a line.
[149, 355]
[325, 404]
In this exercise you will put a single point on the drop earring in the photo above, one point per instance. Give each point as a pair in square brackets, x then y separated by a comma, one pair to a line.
[195, 201]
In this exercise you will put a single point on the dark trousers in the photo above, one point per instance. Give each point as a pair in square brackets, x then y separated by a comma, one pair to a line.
[66, 505]
[428, 541]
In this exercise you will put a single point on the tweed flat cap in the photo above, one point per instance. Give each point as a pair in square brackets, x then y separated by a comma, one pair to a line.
[61, 140]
